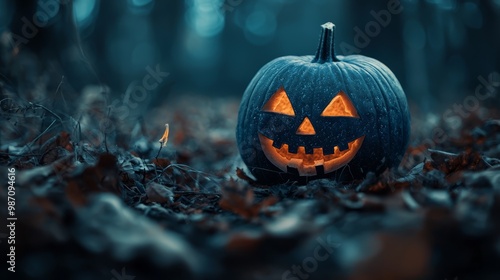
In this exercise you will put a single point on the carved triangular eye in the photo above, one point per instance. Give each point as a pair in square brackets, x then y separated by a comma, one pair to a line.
[306, 127]
[279, 103]
[340, 106]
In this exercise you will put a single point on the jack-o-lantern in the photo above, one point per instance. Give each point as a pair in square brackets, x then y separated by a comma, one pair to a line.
[321, 116]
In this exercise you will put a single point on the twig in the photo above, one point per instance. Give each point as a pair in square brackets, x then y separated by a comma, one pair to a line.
[41, 134]
[106, 134]
[28, 146]
[49, 111]
[62, 95]
[159, 150]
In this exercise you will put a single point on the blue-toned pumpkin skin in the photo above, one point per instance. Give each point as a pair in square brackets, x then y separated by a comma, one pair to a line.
[379, 119]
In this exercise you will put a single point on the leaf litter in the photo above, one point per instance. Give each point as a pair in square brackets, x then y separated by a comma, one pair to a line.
[191, 211]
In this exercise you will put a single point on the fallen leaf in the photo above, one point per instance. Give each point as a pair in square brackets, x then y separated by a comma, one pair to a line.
[159, 193]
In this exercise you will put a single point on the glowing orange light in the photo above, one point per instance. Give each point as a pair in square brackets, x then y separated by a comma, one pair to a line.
[306, 163]
[279, 103]
[306, 128]
[340, 106]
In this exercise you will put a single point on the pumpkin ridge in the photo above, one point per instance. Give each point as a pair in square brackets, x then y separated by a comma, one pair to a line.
[257, 79]
[374, 71]
[297, 82]
[341, 72]
[371, 99]
[403, 112]
[404, 128]
[387, 103]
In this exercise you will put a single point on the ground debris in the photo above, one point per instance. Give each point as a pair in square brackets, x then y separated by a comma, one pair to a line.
[190, 211]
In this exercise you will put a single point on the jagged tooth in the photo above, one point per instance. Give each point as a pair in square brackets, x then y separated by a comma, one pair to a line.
[301, 150]
[318, 152]
[343, 147]
[336, 151]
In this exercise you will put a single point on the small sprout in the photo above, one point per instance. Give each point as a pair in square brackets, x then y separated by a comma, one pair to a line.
[164, 138]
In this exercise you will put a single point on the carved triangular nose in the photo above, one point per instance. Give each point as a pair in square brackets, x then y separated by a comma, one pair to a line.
[306, 128]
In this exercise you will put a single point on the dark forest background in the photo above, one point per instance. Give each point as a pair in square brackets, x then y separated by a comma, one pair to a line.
[436, 48]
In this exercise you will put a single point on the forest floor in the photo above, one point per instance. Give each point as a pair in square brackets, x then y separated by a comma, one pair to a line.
[94, 202]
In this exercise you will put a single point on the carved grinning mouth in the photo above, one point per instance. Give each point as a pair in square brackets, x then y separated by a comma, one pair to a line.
[306, 163]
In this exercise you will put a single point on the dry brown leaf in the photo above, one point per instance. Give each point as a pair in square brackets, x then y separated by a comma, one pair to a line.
[240, 200]
[100, 178]
[242, 175]
[159, 193]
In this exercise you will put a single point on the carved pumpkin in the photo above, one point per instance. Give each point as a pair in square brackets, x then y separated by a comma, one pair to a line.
[321, 116]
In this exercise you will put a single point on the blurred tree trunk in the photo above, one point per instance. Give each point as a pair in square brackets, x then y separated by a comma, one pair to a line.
[45, 48]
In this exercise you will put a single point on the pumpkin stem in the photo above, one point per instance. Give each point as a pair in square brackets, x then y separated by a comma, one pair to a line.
[326, 48]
